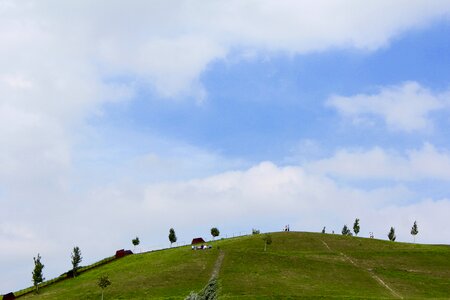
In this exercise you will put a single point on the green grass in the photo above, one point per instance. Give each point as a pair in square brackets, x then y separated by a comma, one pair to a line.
[296, 265]
[165, 274]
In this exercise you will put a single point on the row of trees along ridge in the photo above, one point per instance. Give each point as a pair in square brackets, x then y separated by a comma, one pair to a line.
[391, 235]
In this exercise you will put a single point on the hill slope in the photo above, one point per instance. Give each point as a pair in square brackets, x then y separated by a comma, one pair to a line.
[296, 265]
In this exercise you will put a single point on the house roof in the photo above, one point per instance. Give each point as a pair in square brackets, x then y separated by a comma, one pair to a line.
[197, 241]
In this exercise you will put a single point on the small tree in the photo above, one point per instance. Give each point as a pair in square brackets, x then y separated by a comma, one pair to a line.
[135, 242]
[391, 234]
[103, 283]
[172, 236]
[346, 230]
[323, 229]
[37, 272]
[356, 227]
[267, 238]
[215, 232]
[255, 231]
[414, 230]
[76, 259]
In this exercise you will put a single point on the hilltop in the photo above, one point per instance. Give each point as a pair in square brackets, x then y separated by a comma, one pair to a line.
[296, 264]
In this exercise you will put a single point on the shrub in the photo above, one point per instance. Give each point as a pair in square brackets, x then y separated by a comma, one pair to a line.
[209, 292]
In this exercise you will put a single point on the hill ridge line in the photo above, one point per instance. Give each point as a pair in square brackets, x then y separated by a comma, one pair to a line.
[373, 275]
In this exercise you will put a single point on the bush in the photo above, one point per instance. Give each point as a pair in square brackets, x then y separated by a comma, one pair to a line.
[193, 296]
[209, 292]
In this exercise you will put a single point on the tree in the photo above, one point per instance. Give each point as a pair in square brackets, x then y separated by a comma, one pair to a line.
[135, 242]
[76, 259]
[37, 272]
[414, 230]
[356, 227]
[172, 236]
[267, 238]
[255, 231]
[215, 232]
[103, 283]
[346, 230]
[391, 234]
[323, 229]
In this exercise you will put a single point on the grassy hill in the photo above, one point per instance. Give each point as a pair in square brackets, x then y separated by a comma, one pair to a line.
[296, 265]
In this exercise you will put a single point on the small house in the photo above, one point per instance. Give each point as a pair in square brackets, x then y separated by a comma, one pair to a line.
[9, 296]
[122, 252]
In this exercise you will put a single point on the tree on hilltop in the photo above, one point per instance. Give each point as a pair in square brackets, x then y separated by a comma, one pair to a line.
[37, 273]
[391, 234]
[76, 259]
[135, 242]
[356, 227]
[414, 230]
[172, 236]
[346, 230]
[215, 232]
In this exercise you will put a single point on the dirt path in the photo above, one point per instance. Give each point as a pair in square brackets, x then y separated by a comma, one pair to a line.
[217, 265]
[326, 245]
[375, 277]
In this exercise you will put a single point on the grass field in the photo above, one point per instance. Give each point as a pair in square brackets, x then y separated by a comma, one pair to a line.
[169, 274]
[296, 265]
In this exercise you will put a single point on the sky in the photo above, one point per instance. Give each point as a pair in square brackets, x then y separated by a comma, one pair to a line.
[121, 119]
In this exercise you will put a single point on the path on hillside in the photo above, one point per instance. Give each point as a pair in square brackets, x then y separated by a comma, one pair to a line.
[217, 265]
[372, 274]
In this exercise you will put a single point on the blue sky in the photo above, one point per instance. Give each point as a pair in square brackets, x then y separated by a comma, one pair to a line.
[281, 98]
[248, 114]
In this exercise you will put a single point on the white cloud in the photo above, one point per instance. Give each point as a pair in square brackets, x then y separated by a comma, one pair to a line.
[267, 195]
[170, 43]
[58, 60]
[17, 82]
[414, 165]
[406, 107]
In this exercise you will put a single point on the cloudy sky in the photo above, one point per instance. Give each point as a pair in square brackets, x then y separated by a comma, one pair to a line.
[121, 118]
